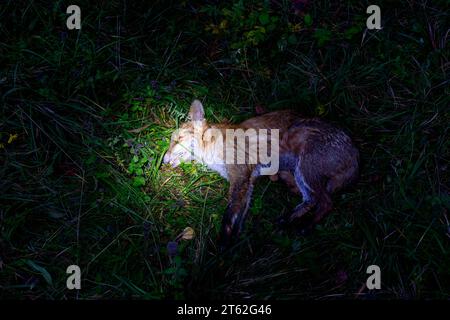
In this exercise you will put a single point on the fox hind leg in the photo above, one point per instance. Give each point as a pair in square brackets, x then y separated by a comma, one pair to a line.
[316, 198]
[321, 210]
[289, 180]
[308, 196]
[308, 199]
[324, 207]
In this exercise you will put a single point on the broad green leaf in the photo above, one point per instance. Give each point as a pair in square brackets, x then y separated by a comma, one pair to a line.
[138, 181]
[308, 20]
[264, 18]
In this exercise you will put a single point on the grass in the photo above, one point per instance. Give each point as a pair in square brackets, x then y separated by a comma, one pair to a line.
[86, 117]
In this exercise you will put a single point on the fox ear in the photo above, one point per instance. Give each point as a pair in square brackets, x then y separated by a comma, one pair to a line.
[196, 113]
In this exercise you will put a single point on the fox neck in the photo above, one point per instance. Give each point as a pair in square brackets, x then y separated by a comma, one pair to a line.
[210, 153]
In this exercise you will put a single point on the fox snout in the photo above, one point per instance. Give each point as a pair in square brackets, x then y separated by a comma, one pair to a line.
[168, 159]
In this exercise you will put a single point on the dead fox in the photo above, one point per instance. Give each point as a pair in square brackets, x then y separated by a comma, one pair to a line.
[314, 159]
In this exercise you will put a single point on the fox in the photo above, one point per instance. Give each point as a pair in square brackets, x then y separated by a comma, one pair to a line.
[315, 159]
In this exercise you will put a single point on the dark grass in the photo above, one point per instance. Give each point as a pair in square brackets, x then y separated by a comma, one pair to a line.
[93, 110]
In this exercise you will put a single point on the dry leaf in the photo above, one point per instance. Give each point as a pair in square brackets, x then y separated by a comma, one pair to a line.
[187, 234]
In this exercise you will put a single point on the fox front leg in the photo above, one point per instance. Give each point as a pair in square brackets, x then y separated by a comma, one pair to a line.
[236, 211]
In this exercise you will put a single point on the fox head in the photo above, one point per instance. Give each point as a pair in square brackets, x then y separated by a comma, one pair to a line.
[186, 142]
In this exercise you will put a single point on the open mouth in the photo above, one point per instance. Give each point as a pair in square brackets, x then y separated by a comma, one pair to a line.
[173, 162]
